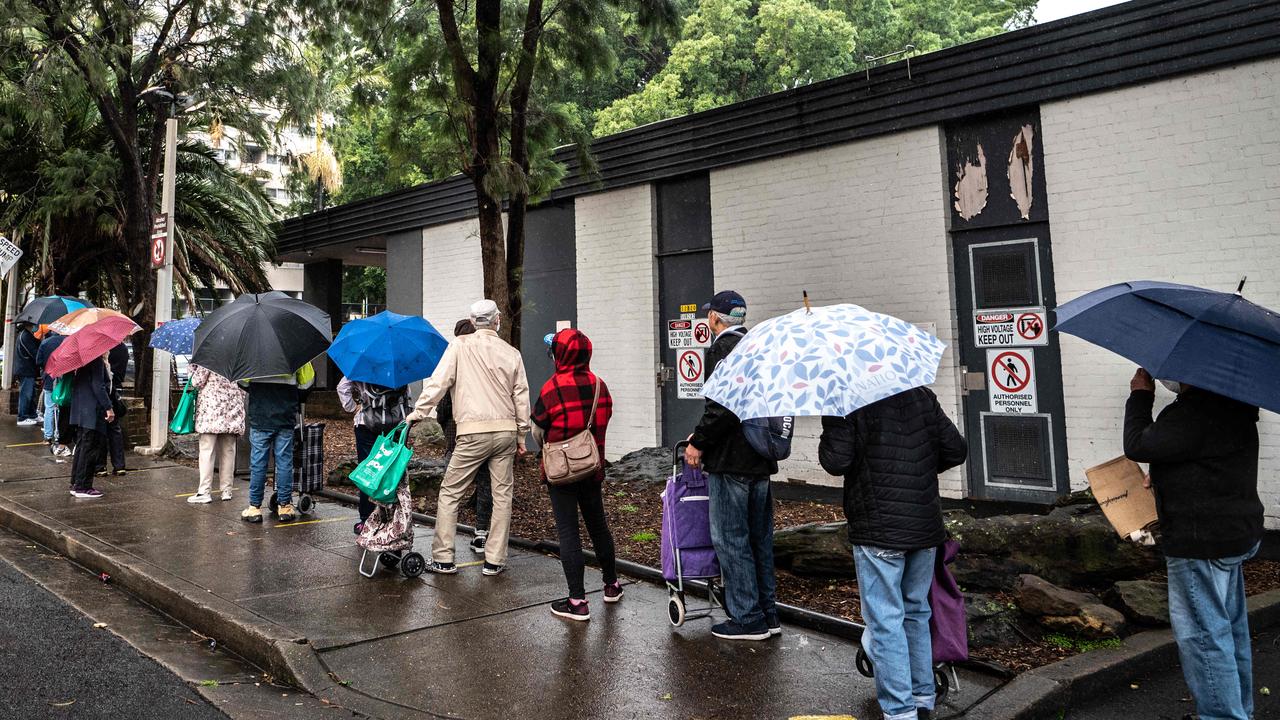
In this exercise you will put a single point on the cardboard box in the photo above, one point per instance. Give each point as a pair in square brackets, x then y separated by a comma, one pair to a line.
[1117, 486]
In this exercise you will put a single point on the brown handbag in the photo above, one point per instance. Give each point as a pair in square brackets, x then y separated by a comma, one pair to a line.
[576, 458]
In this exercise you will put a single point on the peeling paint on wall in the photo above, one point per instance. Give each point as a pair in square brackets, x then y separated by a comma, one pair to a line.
[1022, 170]
[971, 186]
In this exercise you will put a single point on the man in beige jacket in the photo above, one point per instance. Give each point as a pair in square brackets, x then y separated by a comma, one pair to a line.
[491, 409]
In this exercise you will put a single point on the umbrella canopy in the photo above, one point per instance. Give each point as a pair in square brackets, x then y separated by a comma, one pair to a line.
[828, 361]
[261, 335]
[176, 336]
[1211, 340]
[76, 320]
[88, 343]
[388, 349]
[44, 310]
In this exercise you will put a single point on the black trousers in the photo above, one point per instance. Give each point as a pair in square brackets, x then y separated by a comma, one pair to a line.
[566, 501]
[365, 438]
[91, 446]
[115, 444]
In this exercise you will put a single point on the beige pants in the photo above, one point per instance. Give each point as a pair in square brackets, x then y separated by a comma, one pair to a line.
[223, 449]
[498, 449]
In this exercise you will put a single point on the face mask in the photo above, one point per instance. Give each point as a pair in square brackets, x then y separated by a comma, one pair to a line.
[1172, 386]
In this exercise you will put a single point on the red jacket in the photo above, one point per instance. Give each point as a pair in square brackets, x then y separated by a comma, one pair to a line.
[564, 404]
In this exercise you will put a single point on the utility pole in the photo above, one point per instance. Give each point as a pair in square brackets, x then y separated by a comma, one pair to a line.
[160, 361]
[10, 336]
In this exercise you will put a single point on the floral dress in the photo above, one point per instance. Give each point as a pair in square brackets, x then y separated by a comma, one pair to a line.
[220, 404]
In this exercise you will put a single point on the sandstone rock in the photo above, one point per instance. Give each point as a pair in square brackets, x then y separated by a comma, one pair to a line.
[1093, 621]
[1072, 545]
[1038, 597]
[646, 465]
[991, 624]
[819, 550]
[1142, 601]
[428, 432]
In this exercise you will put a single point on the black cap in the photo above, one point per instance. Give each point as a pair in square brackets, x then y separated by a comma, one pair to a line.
[727, 302]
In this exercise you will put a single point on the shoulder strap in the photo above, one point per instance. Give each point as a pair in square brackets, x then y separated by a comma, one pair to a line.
[591, 419]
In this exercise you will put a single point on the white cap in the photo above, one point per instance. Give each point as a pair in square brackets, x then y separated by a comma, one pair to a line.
[484, 313]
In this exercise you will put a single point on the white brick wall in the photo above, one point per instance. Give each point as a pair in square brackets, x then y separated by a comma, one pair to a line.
[859, 223]
[1177, 180]
[617, 308]
[452, 276]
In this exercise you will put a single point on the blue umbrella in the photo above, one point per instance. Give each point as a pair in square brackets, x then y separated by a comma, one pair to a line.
[176, 336]
[1212, 340]
[44, 310]
[388, 349]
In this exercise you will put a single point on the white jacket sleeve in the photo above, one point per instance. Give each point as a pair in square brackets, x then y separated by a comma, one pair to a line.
[437, 385]
[520, 396]
[345, 391]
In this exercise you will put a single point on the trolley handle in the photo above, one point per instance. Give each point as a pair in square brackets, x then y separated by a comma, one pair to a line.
[677, 455]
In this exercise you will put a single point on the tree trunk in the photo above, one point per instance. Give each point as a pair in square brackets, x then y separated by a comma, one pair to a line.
[493, 253]
[517, 211]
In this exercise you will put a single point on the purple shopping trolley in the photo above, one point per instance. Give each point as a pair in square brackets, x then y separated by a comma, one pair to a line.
[687, 552]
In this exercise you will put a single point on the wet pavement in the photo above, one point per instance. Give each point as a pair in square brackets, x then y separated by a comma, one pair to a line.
[463, 646]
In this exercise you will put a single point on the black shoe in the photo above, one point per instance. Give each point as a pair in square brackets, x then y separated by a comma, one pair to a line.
[491, 569]
[571, 610]
[775, 627]
[923, 714]
[120, 471]
[440, 568]
[731, 630]
[477, 543]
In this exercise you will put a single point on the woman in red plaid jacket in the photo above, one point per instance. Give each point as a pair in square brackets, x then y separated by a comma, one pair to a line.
[562, 411]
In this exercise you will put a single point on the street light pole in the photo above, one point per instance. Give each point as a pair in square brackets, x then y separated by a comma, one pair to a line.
[164, 294]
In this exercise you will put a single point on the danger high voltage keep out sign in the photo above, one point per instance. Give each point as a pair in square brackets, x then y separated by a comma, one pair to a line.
[1015, 327]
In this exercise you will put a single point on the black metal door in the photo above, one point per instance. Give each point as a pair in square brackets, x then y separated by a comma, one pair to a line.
[685, 281]
[550, 288]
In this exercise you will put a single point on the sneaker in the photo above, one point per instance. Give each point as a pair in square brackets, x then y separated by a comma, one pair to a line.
[120, 471]
[491, 569]
[199, 499]
[87, 494]
[62, 451]
[613, 592]
[477, 543]
[101, 473]
[251, 514]
[775, 627]
[28, 422]
[731, 630]
[286, 513]
[442, 568]
[226, 494]
[571, 609]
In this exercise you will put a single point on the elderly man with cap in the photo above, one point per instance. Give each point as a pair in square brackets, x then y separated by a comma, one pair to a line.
[491, 410]
[741, 499]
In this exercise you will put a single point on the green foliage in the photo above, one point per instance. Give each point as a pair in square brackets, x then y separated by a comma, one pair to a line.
[1066, 642]
[733, 50]
[645, 536]
[629, 508]
[364, 283]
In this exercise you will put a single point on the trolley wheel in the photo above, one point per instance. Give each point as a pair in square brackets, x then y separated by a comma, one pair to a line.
[357, 528]
[863, 663]
[389, 559]
[675, 610]
[272, 505]
[941, 684]
[305, 503]
[412, 564]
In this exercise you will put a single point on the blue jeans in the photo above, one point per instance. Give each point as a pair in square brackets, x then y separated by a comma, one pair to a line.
[280, 443]
[741, 510]
[50, 416]
[1211, 624]
[894, 588]
[27, 398]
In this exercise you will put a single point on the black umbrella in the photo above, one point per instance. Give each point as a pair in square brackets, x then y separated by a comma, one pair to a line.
[44, 310]
[261, 335]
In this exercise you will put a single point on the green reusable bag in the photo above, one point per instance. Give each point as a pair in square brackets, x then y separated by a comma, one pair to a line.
[184, 418]
[62, 391]
[379, 475]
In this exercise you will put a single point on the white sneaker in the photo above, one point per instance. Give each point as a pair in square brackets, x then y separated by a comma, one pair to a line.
[199, 499]
[63, 451]
[226, 494]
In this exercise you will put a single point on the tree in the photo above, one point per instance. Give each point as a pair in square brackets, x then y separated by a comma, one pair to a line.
[122, 52]
[733, 50]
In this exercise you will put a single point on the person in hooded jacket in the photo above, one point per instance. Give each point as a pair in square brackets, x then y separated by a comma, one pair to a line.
[562, 410]
[26, 372]
[890, 454]
[377, 410]
[58, 431]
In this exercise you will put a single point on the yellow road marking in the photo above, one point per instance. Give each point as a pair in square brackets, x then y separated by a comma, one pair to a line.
[31, 444]
[184, 495]
[311, 522]
[471, 564]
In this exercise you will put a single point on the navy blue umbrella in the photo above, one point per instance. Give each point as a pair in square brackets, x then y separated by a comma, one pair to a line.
[1212, 340]
[176, 336]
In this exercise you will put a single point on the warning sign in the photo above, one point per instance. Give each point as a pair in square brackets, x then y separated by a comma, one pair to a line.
[159, 237]
[9, 255]
[689, 374]
[1012, 381]
[687, 333]
[1010, 328]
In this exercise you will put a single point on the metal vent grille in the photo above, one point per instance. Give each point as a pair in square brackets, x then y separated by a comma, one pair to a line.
[1018, 450]
[1004, 276]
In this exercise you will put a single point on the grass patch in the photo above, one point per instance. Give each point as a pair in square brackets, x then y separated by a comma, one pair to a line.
[208, 683]
[1066, 642]
[629, 508]
[645, 536]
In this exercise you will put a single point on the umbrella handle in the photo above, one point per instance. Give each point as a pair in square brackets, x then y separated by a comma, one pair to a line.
[1240, 287]
[807, 307]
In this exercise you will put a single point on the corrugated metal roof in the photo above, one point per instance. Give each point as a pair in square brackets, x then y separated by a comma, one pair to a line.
[1120, 45]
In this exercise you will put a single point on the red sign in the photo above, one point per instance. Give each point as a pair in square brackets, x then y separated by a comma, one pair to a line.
[992, 318]
[679, 324]
[702, 333]
[690, 365]
[1011, 372]
[1030, 326]
[159, 239]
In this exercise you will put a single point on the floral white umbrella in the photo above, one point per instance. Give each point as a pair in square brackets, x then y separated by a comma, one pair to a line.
[825, 361]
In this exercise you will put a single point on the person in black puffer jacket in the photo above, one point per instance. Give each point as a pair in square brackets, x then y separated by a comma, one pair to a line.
[1203, 455]
[890, 454]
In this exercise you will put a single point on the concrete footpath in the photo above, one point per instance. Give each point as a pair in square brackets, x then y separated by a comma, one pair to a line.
[289, 598]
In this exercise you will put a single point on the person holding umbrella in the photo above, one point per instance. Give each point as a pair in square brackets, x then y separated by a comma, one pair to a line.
[26, 372]
[273, 414]
[58, 432]
[91, 411]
